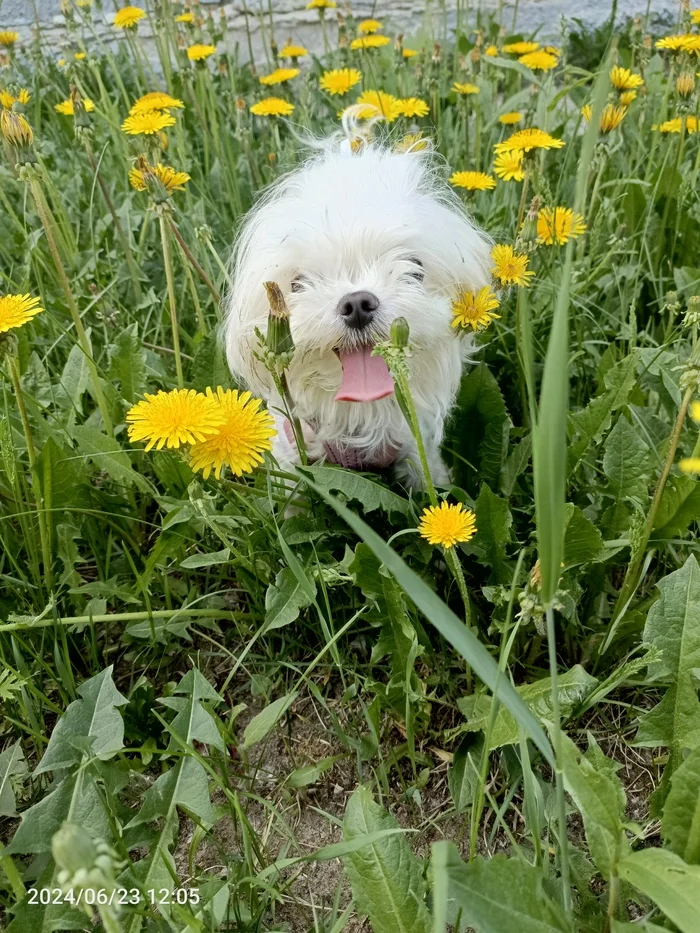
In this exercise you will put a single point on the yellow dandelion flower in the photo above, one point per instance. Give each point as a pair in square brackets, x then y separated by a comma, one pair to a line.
[447, 524]
[16, 129]
[627, 97]
[185, 18]
[539, 61]
[472, 181]
[7, 99]
[688, 42]
[559, 225]
[272, 107]
[156, 100]
[240, 440]
[321, 5]
[529, 139]
[128, 17]
[412, 107]
[67, 109]
[79, 56]
[8, 38]
[509, 267]
[198, 52]
[292, 51]
[412, 142]
[368, 26]
[147, 123]
[508, 166]
[521, 48]
[475, 310]
[465, 88]
[625, 80]
[695, 16]
[16, 310]
[408, 53]
[674, 126]
[491, 51]
[279, 76]
[378, 103]
[513, 116]
[170, 419]
[690, 465]
[340, 80]
[695, 411]
[171, 179]
[610, 118]
[369, 42]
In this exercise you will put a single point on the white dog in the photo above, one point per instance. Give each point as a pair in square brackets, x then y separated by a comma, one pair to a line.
[355, 240]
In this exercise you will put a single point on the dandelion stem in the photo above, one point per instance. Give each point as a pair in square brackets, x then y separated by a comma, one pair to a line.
[167, 261]
[48, 225]
[193, 262]
[13, 366]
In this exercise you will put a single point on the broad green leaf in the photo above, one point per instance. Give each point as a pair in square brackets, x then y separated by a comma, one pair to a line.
[209, 368]
[386, 877]
[447, 623]
[673, 628]
[309, 774]
[516, 465]
[463, 776]
[354, 486]
[680, 825]
[365, 570]
[493, 522]
[588, 425]
[284, 600]
[266, 719]
[92, 725]
[476, 440]
[72, 384]
[127, 363]
[62, 477]
[582, 540]
[106, 453]
[12, 764]
[669, 882]
[498, 895]
[574, 687]
[679, 506]
[193, 722]
[626, 463]
[213, 559]
[617, 926]
[596, 795]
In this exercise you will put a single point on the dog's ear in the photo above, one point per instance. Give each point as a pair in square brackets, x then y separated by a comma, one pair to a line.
[460, 251]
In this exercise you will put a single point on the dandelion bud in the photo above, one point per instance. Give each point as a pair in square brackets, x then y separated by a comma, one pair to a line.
[685, 83]
[19, 135]
[536, 576]
[73, 848]
[692, 314]
[82, 121]
[240, 103]
[400, 333]
[436, 53]
[279, 335]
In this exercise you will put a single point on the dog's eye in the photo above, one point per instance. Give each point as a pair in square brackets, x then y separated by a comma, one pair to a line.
[299, 283]
[417, 273]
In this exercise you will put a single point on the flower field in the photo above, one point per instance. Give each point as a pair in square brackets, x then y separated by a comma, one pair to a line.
[243, 697]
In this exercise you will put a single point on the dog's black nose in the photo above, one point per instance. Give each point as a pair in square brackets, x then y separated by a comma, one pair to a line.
[357, 308]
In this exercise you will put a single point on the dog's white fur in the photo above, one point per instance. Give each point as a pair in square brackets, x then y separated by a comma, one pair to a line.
[347, 222]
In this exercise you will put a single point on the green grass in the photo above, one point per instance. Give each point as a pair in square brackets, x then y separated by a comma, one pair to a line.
[310, 715]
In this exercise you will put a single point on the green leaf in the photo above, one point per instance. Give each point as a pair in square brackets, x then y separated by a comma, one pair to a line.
[354, 486]
[476, 438]
[493, 523]
[596, 794]
[516, 465]
[626, 463]
[92, 725]
[214, 558]
[284, 600]
[62, 478]
[498, 895]
[73, 383]
[127, 363]
[309, 774]
[209, 367]
[12, 764]
[679, 506]
[447, 623]
[386, 877]
[106, 453]
[463, 776]
[266, 719]
[669, 882]
[673, 628]
[680, 825]
[193, 722]
[582, 540]
[574, 687]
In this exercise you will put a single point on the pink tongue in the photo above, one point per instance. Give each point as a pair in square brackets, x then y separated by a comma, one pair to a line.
[366, 378]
